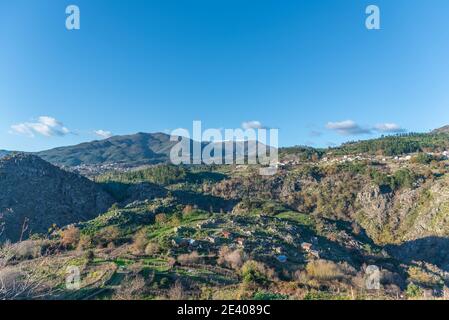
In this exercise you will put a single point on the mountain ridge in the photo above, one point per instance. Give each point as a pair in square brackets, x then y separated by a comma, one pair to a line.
[141, 149]
[137, 149]
[131, 150]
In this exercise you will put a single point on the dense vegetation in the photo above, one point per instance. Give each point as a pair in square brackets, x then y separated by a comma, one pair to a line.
[163, 174]
[303, 153]
[397, 145]
[403, 178]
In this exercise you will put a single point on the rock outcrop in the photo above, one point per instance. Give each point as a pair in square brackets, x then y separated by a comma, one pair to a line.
[36, 195]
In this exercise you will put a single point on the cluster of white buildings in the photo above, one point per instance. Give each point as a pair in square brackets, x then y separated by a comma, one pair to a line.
[346, 159]
[405, 158]
[397, 158]
[96, 169]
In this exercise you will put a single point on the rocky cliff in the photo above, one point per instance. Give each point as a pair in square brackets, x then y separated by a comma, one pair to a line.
[36, 195]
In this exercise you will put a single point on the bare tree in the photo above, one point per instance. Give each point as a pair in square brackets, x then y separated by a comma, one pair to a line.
[2, 227]
[16, 284]
[177, 291]
[131, 288]
[25, 226]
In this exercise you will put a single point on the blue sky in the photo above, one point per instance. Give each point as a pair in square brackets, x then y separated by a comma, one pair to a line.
[309, 68]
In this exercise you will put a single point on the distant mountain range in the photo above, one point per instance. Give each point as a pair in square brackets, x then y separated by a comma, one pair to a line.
[130, 150]
[134, 150]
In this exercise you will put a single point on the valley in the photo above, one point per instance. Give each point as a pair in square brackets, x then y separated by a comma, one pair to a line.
[159, 231]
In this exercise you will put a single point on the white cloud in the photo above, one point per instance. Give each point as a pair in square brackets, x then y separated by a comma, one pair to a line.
[351, 128]
[103, 134]
[252, 125]
[45, 126]
[347, 128]
[389, 128]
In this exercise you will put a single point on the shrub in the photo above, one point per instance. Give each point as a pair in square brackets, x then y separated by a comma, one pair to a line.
[140, 241]
[171, 262]
[230, 258]
[70, 237]
[152, 248]
[177, 292]
[323, 270]
[417, 275]
[188, 209]
[106, 235]
[423, 158]
[379, 178]
[131, 289]
[84, 242]
[176, 219]
[413, 291]
[254, 272]
[28, 249]
[189, 258]
[89, 255]
[402, 178]
[356, 229]
[262, 295]
[161, 218]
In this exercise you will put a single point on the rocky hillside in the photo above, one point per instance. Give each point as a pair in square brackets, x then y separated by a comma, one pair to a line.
[4, 153]
[444, 129]
[225, 232]
[35, 195]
